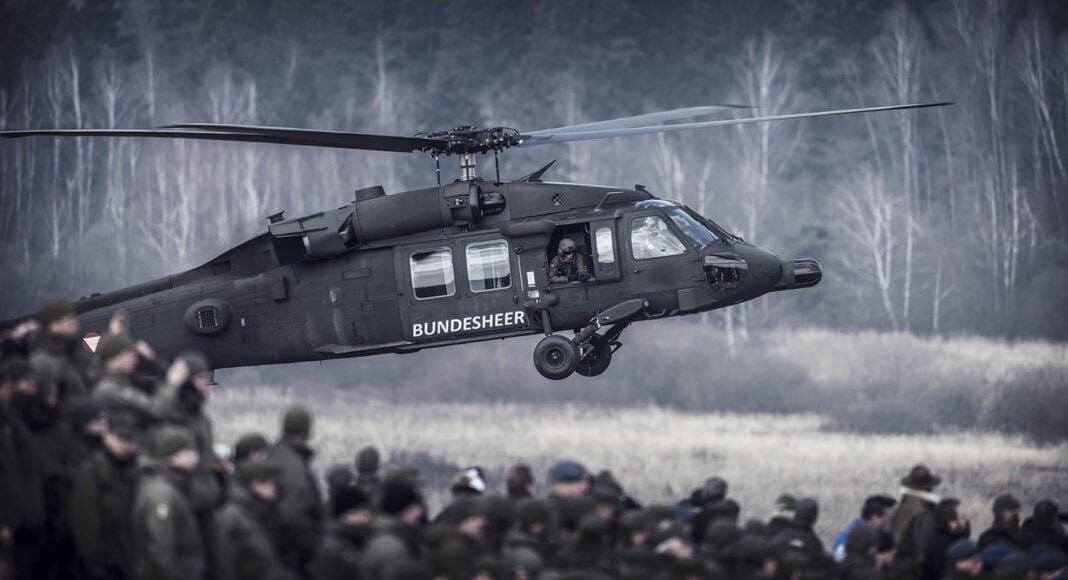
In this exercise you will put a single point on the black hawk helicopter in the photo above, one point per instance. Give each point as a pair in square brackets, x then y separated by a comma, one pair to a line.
[460, 262]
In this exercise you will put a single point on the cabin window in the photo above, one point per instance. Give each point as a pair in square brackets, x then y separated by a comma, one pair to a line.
[650, 238]
[432, 275]
[488, 267]
[606, 254]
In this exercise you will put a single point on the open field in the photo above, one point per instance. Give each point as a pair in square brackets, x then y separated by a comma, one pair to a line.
[658, 454]
[867, 382]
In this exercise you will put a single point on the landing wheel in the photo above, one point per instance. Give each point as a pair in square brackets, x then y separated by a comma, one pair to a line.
[597, 361]
[555, 357]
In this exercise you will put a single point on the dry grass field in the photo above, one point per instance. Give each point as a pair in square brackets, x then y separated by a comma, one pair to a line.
[658, 454]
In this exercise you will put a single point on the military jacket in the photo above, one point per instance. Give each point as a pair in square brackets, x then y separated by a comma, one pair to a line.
[167, 543]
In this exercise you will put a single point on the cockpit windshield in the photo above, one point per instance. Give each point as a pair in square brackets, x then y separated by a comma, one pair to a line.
[699, 235]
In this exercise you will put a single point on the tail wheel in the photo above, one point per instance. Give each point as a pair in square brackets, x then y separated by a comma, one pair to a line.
[555, 357]
[597, 361]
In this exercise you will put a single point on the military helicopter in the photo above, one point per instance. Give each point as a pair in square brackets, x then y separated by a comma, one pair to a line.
[459, 262]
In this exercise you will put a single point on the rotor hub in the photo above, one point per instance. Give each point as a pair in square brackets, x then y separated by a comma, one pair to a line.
[470, 140]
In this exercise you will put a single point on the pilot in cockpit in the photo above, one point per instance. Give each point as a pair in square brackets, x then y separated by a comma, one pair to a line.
[568, 265]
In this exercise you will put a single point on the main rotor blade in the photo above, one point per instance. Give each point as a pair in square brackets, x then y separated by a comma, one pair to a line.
[337, 140]
[544, 139]
[640, 120]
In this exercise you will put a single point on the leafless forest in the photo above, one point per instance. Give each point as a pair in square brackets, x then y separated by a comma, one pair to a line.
[936, 223]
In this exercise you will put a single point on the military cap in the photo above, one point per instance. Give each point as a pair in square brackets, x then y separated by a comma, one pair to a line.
[112, 345]
[367, 460]
[786, 502]
[1005, 503]
[921, 478]
[807, 511]
[567, 471]
[54, 310]
[715, 488]
[1046, 511]
[532, 511]
[84, 410]
[462, 510]
[297, 422]
[350, 498]
[961, 550]
[397, 495]
[247, 445]
[170, 439]
[250, 471]
[196, 362]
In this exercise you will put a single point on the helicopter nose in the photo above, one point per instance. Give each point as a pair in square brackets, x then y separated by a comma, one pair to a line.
[803, 273]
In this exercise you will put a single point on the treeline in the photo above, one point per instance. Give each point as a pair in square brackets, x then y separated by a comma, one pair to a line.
[937, 221]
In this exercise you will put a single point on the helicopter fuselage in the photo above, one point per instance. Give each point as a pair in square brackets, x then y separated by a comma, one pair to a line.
[463, 262]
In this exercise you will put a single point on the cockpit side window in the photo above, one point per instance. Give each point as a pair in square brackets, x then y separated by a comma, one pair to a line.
[651, 238]
[698, 234]
[432, 273]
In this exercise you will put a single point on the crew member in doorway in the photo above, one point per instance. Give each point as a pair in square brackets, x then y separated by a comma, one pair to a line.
[568, 265]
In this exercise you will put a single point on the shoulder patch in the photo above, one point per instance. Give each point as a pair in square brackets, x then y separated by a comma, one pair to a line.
[162, 511]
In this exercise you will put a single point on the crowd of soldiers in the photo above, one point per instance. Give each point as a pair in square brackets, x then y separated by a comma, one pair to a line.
[109, 470]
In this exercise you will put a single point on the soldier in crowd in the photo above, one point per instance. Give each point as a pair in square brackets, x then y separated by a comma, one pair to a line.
[1006, 510]
[784, 513]
[250, 447]
[963, 561]
[519, 482]
[800, 536]
[117, 389]
[874, 512]
[248, 528]
[951, 525]
[339, 556]
[1042, 528]
[913, 522]
[367, 478]
[397, 529]
[181, 402]
[167, 541]
[102, 501]
[58, 357]
[568, 499]
[861, 547]
[338, 478]
[301, 504]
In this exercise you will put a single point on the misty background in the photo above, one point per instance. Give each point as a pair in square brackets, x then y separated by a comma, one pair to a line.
[931, 225]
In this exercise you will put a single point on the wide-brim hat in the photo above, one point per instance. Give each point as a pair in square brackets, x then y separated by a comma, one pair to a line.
[920, 477]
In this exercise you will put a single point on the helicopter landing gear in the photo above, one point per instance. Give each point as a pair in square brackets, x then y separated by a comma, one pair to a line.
[555, 357]
[597, 359]
[589, 353]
